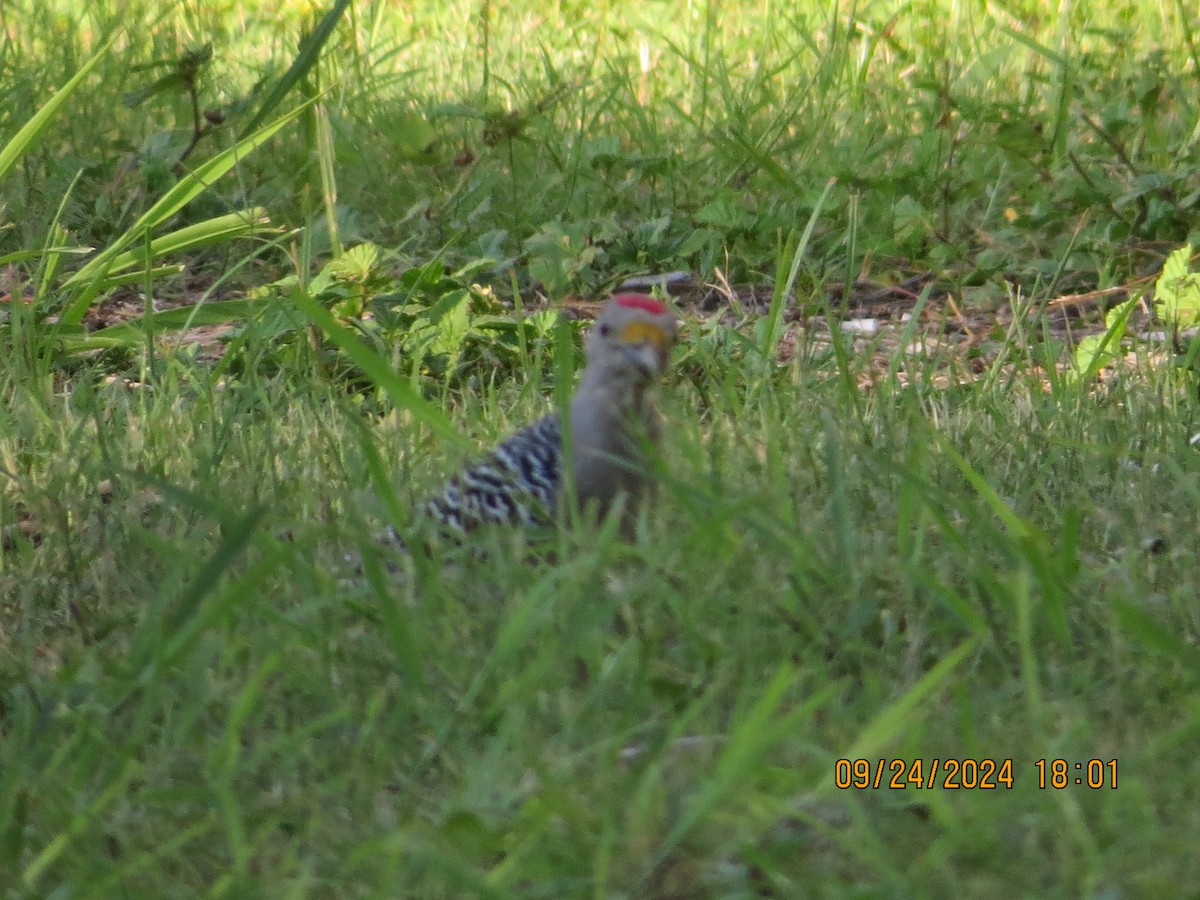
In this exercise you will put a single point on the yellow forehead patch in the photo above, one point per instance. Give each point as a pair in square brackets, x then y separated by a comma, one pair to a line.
[637, 332]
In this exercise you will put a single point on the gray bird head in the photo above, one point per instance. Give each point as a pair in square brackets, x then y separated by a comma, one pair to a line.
[633, 336]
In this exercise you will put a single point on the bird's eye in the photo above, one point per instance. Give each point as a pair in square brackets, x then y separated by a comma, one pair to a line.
[605, 330]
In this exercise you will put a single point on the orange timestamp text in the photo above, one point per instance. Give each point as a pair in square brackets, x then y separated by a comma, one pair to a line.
[970, 774]
[901, 774]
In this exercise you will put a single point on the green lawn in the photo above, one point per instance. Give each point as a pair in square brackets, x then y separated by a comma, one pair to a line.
[226, 366]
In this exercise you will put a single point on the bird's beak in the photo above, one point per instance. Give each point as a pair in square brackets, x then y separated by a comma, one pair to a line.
[648, 344]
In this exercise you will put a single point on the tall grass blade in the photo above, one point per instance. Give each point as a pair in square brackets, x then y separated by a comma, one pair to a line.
[890, 723]
[89, 280]
[401, 391]
[27, 134]
[307, 57]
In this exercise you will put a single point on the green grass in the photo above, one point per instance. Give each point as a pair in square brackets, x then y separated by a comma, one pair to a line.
[860, 552]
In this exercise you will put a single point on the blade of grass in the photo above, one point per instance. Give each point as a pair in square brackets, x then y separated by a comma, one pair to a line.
[79, 823]
[308, 56]
[246, 223]
[90, 279]
[750, 739]
[795, 252]
[1154, 637]
[401, 392]
[890, 723]
[19, 143]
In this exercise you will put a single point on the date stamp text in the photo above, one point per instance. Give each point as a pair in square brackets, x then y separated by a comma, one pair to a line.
[970, 774]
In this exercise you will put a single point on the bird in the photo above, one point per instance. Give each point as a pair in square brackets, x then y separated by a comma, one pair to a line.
[613, 427]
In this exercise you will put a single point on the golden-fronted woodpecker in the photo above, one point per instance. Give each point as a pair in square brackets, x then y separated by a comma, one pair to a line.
[613, 425]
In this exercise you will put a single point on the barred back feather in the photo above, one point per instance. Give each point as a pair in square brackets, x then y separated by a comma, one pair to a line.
[518, 482]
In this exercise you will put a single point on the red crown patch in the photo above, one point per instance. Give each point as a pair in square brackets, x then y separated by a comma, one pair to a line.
[640, 301]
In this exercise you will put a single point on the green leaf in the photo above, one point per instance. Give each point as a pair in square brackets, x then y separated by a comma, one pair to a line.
[723, 214]
[1098, 350]
[413, 135]
[1177, 291]
[452, 320]
[355, 265]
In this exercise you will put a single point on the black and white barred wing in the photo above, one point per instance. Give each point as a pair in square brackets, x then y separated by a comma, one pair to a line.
[518, 482]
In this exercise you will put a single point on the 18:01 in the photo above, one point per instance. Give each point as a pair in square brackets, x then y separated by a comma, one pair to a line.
[1093, 773]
